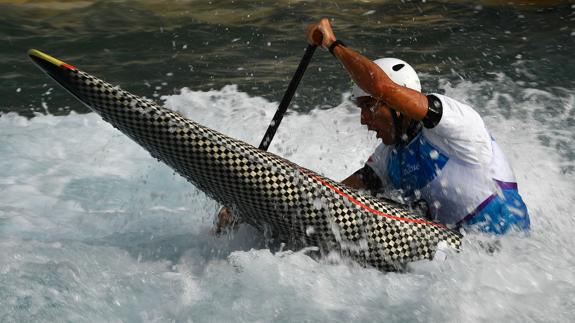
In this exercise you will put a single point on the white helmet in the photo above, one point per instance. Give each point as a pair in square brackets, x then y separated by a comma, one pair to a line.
[398, 71]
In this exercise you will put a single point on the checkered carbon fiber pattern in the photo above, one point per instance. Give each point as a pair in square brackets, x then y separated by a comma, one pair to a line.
[267, 190]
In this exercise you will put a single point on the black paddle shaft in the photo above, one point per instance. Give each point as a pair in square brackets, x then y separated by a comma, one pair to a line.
[273, 127]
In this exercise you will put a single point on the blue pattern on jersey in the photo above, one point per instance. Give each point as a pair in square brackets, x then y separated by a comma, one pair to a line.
[503, 212]
[415, 165]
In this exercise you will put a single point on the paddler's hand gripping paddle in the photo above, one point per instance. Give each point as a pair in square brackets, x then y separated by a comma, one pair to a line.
[267, 139]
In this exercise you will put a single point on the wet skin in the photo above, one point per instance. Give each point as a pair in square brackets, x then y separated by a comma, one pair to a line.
[376, 115]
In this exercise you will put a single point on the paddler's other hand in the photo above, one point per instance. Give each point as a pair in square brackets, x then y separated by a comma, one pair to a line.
[224, 221]
[320, 34]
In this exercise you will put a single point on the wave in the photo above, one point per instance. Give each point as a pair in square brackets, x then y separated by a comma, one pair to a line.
[94, 228]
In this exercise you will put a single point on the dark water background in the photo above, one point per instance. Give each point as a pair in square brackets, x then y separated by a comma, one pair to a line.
[161, 46]
[92, 229]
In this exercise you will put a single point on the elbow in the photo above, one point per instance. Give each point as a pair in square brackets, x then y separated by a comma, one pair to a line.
[385, 90]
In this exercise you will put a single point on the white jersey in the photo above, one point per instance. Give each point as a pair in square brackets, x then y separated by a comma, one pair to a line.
[456, 167]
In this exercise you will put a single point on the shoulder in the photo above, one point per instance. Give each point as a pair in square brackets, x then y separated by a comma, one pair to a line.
[379, 156]
[452, 109]
[378, 160]
[460, 132]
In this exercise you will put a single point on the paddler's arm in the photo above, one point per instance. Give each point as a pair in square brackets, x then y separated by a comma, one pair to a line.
[367, 75]
[364, 179]
[354, 181]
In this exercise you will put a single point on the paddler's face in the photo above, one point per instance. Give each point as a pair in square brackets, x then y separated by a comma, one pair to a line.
[377, 117]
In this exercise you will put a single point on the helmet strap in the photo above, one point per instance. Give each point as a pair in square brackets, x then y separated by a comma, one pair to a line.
[403, 136]
[397, 124]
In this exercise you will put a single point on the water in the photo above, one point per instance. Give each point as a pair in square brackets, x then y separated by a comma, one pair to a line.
[93, 229]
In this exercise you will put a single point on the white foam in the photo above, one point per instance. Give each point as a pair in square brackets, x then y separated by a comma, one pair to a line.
[94, 229]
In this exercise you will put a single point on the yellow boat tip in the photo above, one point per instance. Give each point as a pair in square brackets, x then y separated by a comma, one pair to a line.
[36, 54]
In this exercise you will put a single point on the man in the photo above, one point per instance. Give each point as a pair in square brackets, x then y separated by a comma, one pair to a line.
[435, 150]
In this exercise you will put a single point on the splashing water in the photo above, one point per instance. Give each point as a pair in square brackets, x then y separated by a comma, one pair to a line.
[94, 229]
